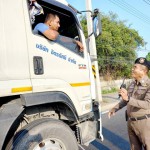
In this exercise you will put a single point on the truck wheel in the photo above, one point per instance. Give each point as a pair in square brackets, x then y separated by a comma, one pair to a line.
[44, 134]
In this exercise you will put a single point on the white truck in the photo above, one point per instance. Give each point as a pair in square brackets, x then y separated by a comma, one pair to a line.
[46, 87]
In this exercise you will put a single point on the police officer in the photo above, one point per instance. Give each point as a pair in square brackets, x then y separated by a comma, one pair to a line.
[137, 99]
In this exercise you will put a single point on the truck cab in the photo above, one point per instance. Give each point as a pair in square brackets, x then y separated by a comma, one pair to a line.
[46, 98]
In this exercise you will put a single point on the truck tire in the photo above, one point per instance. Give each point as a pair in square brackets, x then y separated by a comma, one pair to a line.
[44, 134]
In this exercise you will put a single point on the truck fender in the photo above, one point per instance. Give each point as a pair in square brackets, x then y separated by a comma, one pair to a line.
[33, 99]
[8, 114]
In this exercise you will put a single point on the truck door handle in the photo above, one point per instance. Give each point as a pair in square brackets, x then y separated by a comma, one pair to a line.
[38, 65]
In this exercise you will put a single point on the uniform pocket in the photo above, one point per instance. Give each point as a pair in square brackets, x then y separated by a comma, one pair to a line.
[141, 90]
[140, 93]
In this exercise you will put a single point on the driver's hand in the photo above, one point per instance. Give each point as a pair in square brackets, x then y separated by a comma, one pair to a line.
[80, 45]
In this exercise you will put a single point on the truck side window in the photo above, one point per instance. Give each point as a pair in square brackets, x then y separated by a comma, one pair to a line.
[69, 29]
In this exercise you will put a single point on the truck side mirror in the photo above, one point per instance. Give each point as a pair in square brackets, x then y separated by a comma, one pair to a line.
[97, 26]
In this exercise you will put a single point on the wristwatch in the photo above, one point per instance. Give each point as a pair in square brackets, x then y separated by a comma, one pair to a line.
[128, 99]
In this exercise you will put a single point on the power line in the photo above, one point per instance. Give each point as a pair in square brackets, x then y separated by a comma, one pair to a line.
[135, 11]
[132, 48]
[148, 2]
[124, 47]
[139, 49]
[130, 9]
[109, 61]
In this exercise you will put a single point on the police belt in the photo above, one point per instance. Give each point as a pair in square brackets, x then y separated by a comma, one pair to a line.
[139, 118]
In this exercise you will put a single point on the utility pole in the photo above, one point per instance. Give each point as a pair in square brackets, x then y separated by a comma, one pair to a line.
[93, 52]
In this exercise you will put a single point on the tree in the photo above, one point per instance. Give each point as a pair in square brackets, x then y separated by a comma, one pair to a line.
[148, 56]
[115, 47]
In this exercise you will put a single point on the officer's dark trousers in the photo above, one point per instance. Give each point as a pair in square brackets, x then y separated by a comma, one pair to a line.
[139, 134]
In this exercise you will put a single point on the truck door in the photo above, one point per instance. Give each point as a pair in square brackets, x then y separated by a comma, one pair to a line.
[59, 65]
[14, 67]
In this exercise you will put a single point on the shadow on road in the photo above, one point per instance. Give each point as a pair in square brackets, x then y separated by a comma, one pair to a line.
[112, 141]
[99, 145]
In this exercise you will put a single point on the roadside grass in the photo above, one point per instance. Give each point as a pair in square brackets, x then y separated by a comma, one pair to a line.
[111, 90]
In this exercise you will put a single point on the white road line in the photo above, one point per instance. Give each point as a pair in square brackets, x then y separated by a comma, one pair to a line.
[81, 147]
[104, 112]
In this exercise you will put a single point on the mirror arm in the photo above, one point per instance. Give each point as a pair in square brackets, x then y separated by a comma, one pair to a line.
[90, 34]
[93, 16]
[87, 11]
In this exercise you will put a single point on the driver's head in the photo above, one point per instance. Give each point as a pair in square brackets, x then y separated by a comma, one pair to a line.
[53, 21]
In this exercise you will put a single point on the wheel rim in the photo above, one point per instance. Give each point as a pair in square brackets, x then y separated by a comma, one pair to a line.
[50, 144]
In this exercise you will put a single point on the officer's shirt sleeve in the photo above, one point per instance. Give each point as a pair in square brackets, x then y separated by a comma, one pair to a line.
[120, 105]
[141, 103]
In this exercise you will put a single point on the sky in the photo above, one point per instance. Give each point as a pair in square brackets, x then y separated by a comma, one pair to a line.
[136, 13]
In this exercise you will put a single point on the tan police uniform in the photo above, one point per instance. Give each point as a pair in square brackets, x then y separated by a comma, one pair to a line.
[138, 112]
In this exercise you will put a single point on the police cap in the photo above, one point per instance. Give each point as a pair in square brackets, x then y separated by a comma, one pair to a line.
[143, 61]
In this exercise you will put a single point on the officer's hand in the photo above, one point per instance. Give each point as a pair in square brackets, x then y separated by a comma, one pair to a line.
[111, 112]
[124, 94]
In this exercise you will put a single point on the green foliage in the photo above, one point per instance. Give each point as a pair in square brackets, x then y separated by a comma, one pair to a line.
[112, 90]
[84, 25]
[148, 56]
[116, 47]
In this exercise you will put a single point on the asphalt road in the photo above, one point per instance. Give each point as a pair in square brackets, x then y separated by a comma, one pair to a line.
[114, 132]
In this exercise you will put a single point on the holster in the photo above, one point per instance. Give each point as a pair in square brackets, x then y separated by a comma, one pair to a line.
[126, 115]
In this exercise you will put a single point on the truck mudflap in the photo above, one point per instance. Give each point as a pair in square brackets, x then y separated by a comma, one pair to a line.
[91, 129]
[8, 114]
[87, 132]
